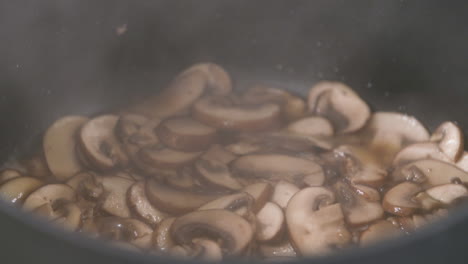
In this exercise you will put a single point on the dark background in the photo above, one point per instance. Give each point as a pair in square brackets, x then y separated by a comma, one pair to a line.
[62, 57]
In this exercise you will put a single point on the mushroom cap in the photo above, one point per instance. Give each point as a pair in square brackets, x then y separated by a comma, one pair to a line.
[312, 126]
[270, 222]
[261, 192]
[186, 134]
[283, 192]
[418, 151]
[450, 139]
[277, 167]
[233, 231]
[18, 189]
[315, 224]
[217, 174]
[166, 158]
[49, 194]
[207, 250]
[339, 104]
[218, 80]
[59, 146]
[223, 113]
[139, 204]
[399, 200]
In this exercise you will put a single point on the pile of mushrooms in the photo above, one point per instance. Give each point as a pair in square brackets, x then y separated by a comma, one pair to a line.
[201, 171]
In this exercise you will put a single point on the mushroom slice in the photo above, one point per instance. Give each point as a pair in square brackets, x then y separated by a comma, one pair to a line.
[418, 151]
[207, 250]
[129, 125]
[232, 231]
[128, 230]
[339, 104]
[462, 163]
[447, 193]
[52, 194]
[162, 238]
[285, 141]
[186, 134]
[270, 222]
[400, 199]
[379, 231]
[77, 179]
[240, 203]
[278, 167]
[114, 199]
[390, 131]
[99, 143]
[175, 201]
[185, 89]
[360, 166]
[244, 147]
[60, 146]
[8, 174]
[261, 192]
[183, 179]
[357, 210]
[430, 172]
[18, 189]
[450, 139]
[218, 153]
[315, 224]
[139, 203]
[426, 201]
[227, 114]
[312, 126]
[165, 158]
[282, 249]
[283, 192]
[68, 215]
[368, 193]
[217, 174]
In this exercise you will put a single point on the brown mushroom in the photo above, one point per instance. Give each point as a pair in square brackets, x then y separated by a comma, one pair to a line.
[207, 250]
[430, 172]
[380, 230]
[135, 132]
[185, 89]
[261, 192]
[186, 134]
[447, 193]
[233, 232]
[400, 199]
[339, 104]
[283, 192]
[99, 143]
[418, 151]
[450, 139]
[244, 147]
[166, 158]
[184, 178]
[8, 174]
[175, 201]
[312, 126]
[67, 215]
[127, 230]
[52, 194]
[162, 238]
[240, 203]
[219, 153]
[18, 189]
[60, 146]
[227, 113]
[278, 167]
[315, 223]
[358, 211]
[216, 174]
[270, 222]
[138, 203]
[114, 199]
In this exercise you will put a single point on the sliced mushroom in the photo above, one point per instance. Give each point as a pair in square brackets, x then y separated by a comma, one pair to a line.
[227, 114]
[135, 132]
[426, 201]
[278, 167]
[60, 146]
[462, 163]
[207, 250]
[165, 158]
[368, 193]
[220, 154]
[36, 166]
[217, 174]
[77, 179]
[128, 230]
[358, 211]
[261, 192]
[430, 172]
[282, 249]
[312, 126]
[284, 140]
[450, 139]
[339, 104]
[175, 201]
[184, 179]
[139, 204]
[186, 134]
[418, 151]
[283, 192]
[8, 174]
[315, 224]
[379, 231]
[240, 203]
[52, 194]
[67, 215]
[162, 238]
[447, 193]
[270, 222]
[18, 189]
[185, 89]
[99, 143]
[233, 232]
[114, 199]
[400, 199]
[244, 147]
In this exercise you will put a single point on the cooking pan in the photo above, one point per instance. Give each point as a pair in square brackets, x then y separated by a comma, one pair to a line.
[85, 57]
